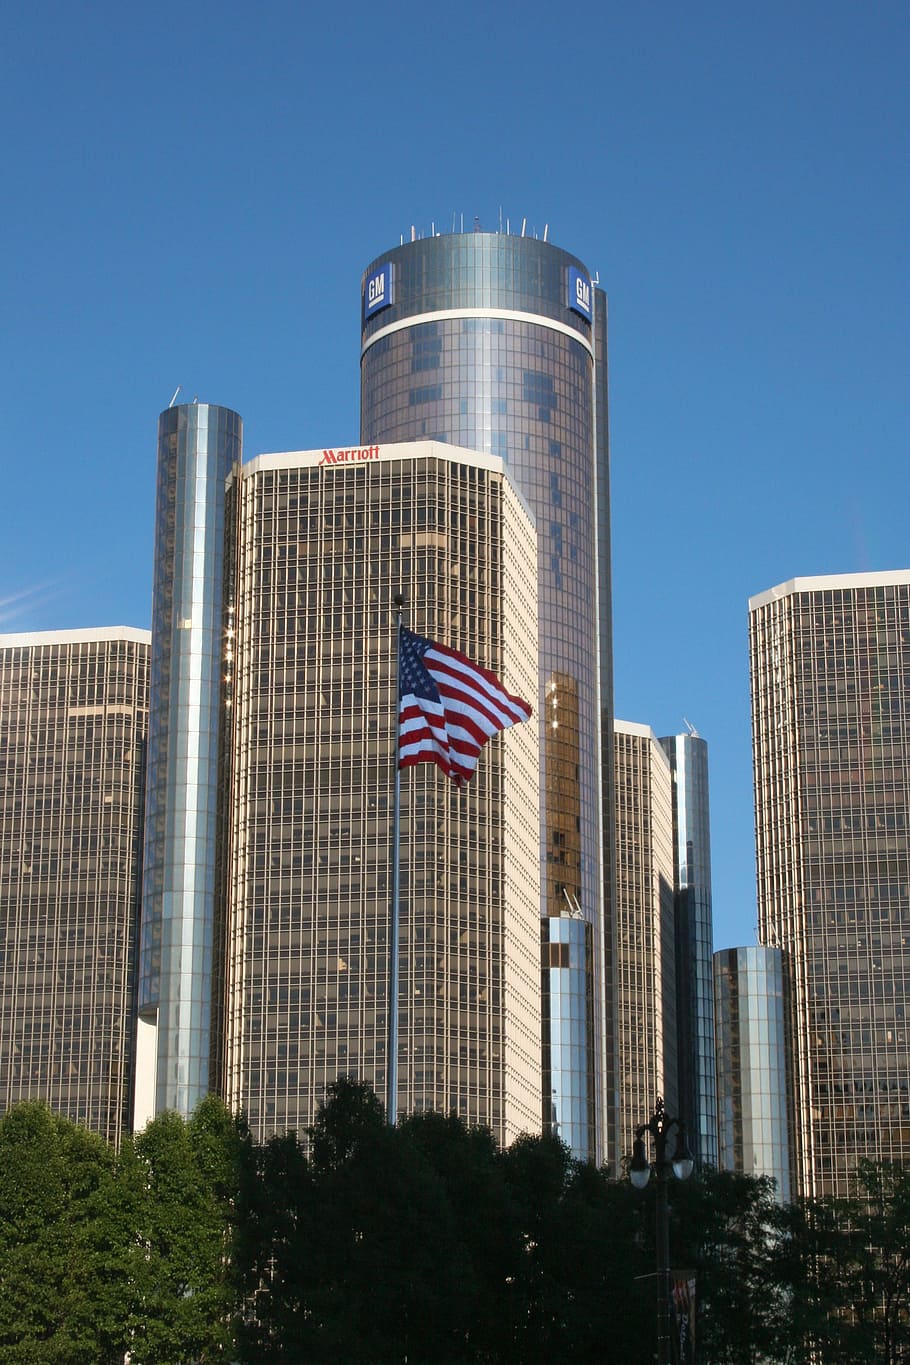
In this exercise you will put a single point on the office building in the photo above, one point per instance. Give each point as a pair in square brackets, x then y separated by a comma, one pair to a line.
[497, 342]
[830, 663]
[753, 1131]
[321, 543]
[73, 727]
[646, 1021]
[268, 831]
[688, 755]
[182, 949]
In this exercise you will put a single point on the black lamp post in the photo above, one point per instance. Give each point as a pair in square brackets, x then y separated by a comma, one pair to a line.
[659, 1126]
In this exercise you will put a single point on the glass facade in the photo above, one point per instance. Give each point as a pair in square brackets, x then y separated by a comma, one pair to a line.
[319, 550]
[646, 1025]
[688, 755]
[198, 445]
[752, 1064]
[73, 726]
[830, 661]
[568, 1027]
[478, 344]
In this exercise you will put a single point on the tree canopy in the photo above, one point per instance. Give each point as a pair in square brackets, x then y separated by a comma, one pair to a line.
[357, 1241]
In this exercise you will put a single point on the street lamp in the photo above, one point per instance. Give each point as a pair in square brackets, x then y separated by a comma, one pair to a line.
[659, 1126]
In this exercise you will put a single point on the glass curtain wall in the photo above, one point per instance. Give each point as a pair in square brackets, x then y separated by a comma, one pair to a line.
[480, 341]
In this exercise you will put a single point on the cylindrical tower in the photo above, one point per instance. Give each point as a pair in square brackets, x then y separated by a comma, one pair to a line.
[198, 444]
[752, 1084]
[497, 342]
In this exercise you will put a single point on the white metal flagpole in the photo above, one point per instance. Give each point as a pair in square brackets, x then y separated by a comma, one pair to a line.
[392, 1045]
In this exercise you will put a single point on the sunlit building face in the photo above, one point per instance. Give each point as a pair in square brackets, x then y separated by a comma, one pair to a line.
[831, 733]
[321, 542]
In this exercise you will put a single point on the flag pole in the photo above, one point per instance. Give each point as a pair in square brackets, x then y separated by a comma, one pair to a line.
[391, 1107]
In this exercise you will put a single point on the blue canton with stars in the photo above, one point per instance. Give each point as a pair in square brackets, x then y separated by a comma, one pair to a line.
[414, 679]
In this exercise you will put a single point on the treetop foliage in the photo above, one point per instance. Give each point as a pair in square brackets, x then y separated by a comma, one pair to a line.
[359, 1242]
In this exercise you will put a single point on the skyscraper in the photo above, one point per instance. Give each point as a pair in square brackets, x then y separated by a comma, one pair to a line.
[688, 755]
[830, 662]
[752, 1087]
[646, 1020]
[73, 725]
[320, 542]
[498, 343]
[181, 952]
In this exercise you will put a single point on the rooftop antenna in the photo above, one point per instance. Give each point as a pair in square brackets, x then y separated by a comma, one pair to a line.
[174, 399]
[524, 224]
[454, 213]
[690, 727]
[546, 229]
[413, 233]
[500, 217]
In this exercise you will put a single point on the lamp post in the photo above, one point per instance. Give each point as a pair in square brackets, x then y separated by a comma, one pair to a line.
[660, 1126]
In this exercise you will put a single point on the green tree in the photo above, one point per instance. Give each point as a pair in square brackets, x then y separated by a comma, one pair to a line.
[63, 1246]
[186, 1293]
[849, 1265]
[386, 1271]
[730, 1230]
[274, 1232]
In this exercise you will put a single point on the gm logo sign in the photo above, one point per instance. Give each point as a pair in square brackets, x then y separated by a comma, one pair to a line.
[580, 293]
[377, 290]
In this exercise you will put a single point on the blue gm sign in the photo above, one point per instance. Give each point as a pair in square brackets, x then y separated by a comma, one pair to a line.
[580, 293]
[377, 290]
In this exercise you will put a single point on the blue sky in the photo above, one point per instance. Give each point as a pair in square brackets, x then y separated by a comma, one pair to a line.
[191, 193]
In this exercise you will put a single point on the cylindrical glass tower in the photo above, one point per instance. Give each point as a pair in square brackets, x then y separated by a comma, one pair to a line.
[752, 1064]
[496, 343]
[198, 444]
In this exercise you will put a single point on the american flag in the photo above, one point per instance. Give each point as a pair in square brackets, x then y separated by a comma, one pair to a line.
[448, 707]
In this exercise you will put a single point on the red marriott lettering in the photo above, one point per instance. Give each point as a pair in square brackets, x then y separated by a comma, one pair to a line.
[352, 456]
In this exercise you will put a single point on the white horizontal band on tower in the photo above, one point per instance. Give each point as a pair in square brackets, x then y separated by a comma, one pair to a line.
[501, 314]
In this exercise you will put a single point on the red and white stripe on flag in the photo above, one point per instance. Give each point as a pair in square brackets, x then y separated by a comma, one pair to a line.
[449, 707]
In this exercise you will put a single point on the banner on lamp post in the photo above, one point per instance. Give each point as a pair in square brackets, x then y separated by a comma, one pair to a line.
[682, 1316]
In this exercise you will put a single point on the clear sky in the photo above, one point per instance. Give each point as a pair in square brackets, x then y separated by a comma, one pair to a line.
[190, 193]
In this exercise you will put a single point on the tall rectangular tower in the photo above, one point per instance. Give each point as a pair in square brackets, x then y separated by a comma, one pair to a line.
[497, 342]
[646, 1022]
[688, 755]
[830, 662]
[73, 726]
[320, 542]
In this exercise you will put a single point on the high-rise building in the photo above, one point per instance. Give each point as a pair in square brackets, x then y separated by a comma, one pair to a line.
[830, 663]
[181, 949]
[646, 1022]
[688, 755]
[752, 1064]
[497, 342]
[320, 542]
[73, 726]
